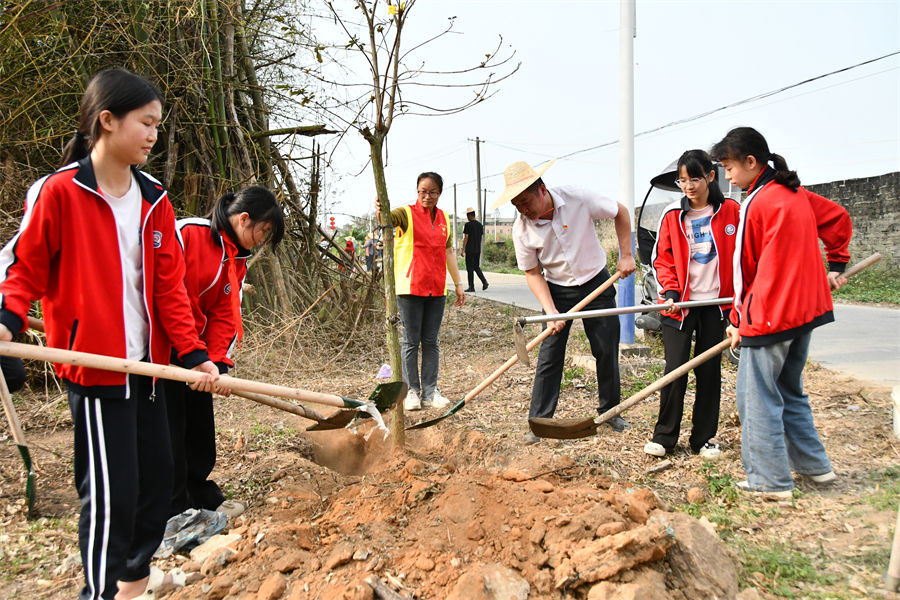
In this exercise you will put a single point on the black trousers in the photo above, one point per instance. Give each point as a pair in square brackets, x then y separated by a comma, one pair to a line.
[707, 321]
[14, 372]
[123, 473]
[603, 335]
[472, 268]
[192, 427]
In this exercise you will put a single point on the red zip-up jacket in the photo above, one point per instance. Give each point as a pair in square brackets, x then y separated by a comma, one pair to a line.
[208, 288]
[66, 254]
[672, 254]
[780, 285]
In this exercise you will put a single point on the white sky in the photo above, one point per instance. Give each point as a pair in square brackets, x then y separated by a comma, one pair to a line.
[690, 57]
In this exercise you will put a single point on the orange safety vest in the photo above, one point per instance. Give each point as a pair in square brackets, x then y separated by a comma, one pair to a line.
[420, 253]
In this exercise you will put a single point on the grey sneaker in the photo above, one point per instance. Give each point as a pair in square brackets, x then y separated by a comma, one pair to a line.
[412, 401]
[231, 508]
[531, 439]
[618, 424]
[824, 478]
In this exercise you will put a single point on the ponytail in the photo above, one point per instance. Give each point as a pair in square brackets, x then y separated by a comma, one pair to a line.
[742, 142]
[783, 175]
[77, 148]
[258, 202]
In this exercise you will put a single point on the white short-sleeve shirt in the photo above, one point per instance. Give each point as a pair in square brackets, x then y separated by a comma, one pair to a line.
[566, 245]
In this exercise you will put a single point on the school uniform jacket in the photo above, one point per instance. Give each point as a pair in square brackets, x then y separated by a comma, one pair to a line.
[208, 288]
[66, 254]
[671, 256]
[780, 284]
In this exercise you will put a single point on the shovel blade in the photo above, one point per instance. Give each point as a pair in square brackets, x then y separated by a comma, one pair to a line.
[519, 341]
[338, 420]
[386, 395]
[563, 429]
[453, 410]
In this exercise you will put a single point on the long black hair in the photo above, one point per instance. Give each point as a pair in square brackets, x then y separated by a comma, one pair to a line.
[116, 90]
[742, 142]
[698, 163]
[258, 202]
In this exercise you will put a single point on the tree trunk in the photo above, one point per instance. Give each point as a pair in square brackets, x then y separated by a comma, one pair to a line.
[392, 313]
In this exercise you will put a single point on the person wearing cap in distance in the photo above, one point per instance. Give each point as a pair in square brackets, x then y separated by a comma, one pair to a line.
[555, 230]
[473, 233]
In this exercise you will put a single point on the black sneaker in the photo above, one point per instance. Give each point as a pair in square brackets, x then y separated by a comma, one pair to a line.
[618, 424]
[484, 287]
[469, 290]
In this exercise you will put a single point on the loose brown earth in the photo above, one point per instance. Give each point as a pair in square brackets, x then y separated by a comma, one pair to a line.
[466, 500]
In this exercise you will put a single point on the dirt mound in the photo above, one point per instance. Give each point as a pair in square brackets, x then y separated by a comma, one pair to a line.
[442, 525]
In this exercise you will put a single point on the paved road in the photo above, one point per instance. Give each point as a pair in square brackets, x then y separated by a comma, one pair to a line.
[864, 341]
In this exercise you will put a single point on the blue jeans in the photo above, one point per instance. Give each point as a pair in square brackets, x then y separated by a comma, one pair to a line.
[777, 430]
[421, 317]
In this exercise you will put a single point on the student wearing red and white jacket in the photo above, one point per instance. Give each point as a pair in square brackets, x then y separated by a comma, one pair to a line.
[97, 246]
[781, 292]
[215, 252]
[692, 260]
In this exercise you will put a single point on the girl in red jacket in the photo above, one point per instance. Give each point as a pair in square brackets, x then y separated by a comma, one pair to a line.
[97, 246]
[215, 252]
[781, 293]
[692, 261]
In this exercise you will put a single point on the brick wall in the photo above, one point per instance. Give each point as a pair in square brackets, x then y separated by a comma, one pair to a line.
[874, 206]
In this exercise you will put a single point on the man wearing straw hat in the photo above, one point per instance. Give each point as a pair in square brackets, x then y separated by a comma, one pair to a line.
[554, 233]
[471, 249]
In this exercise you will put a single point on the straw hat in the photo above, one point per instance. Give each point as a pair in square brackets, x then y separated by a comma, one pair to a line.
[348, 238]
[471, 209]
[519, 176]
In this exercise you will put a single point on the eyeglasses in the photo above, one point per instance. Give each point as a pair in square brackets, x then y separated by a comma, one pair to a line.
[695, 181]
[429, 194]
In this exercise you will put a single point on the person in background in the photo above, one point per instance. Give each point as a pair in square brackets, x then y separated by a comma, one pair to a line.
[369, 247]
[216, 250]
[97, 245]
[423, 254]
[777, 242]
[692, 260]
[557, 247]
[473, 234]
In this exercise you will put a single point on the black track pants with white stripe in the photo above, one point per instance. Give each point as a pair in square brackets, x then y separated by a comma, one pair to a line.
[123, 473]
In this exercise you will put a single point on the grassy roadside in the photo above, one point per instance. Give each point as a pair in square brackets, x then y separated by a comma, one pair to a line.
[875, 285]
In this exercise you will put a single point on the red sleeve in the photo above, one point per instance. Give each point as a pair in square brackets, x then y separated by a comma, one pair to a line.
[169, 293]
[220, 329]
[663, 261]
[834, 229]
[25, 261]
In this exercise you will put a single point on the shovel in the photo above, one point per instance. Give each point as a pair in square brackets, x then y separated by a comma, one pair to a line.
[19, 437]
[519, 333]
[509, 363]
[384, 396]
[338, 420]
[568, 429]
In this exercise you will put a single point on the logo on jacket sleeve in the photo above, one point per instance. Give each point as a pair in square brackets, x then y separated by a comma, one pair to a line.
[157, 239]
[227, 288]
[729, 229]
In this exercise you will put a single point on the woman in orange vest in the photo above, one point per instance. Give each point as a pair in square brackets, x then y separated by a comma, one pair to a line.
[423, 254]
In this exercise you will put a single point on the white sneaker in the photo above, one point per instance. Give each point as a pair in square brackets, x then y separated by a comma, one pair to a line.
[439, 400]
[823, 478]
[710, 451]
[654, 449]
[412, 401]
[232, 508]
[744, 486]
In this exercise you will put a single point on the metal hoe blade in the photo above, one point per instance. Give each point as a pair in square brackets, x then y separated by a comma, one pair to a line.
[519, 341]
[563, 429]
[453, 410]
[384, 397]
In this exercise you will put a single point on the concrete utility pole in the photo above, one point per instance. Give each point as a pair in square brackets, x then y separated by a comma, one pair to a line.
[478, 176]
[454, 218]
[627, 33]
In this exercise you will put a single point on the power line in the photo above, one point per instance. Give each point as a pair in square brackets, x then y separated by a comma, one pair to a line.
[709, 112]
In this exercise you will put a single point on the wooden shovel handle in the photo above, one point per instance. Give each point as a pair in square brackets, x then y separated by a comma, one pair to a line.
[515, 358]
[863, 264]
[664, 381]
[121, 365]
